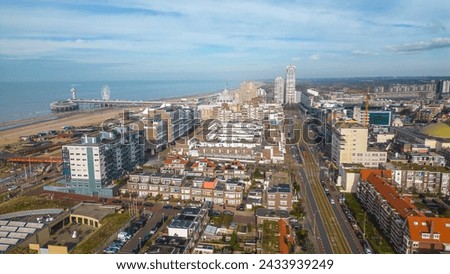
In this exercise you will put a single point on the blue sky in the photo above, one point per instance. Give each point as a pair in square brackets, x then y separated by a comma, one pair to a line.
[222, 40]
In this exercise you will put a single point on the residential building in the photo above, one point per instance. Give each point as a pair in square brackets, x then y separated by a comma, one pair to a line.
[163, 125]
[387, 206]
[189, 224]
[90, 167]
[178, 187]
[414, 178]
[175, 164]
[427, 235]
[278, 90]
[427, 159]
[204, 166]
[291, 93]
[279, 197]
[349, 145]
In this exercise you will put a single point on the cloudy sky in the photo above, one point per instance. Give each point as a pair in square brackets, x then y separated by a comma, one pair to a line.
[230, 40]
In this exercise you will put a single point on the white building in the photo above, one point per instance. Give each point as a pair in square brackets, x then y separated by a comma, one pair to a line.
[90, 167]
[291, 94]
[349, 145]
[278, 90]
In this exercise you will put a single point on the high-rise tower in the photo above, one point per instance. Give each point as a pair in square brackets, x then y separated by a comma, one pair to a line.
[278, 90]
[291, 94]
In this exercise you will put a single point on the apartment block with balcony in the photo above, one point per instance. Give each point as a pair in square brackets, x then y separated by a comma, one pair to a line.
[90, 167]
[387, 206]
[410, 178]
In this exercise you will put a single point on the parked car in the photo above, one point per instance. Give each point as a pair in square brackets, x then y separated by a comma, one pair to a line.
[167, 206]
[227, 212]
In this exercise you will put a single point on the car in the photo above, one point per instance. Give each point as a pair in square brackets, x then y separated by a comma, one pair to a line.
[227, 212]
[240, 207]
[147, 204]
[359, 235]
[117, 201]
[177, 207]
[167, 206]
[332, 201]
[214, 213]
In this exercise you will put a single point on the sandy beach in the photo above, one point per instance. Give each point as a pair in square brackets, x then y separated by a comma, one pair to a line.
[34, 126]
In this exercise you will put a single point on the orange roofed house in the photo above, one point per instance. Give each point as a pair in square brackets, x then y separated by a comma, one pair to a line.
[427, 235]
[174, 164]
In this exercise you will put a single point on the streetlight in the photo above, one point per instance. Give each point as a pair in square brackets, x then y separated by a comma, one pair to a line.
[139, 244]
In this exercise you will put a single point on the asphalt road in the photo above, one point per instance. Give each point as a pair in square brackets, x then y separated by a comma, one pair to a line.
[158, 211]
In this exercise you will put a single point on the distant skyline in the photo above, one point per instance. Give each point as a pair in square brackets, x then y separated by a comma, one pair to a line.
[227, 40]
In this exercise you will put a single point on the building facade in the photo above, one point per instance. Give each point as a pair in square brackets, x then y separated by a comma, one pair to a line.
[90, 167]
[291, 93]
[278, 90]
[349, 145]
[279, 197]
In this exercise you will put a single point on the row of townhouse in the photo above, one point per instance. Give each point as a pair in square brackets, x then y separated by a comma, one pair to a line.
[227, 192]
[393, 214]
[205, 167]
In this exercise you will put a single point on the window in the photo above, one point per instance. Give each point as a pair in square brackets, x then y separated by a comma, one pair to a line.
[271, 203]
[425, 235]
[283, 203]
[436, 236]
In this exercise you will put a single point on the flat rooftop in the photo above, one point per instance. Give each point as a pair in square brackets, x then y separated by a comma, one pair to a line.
[95, 211]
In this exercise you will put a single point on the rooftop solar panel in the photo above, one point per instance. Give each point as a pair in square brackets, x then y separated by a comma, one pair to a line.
[8, 228]
[8, 241]
[17, 235]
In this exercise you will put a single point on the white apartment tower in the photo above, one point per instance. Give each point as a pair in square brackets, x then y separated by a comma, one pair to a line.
[278, 90]
[291, 94]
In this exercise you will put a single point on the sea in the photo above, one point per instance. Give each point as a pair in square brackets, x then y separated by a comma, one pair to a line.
[24, 100]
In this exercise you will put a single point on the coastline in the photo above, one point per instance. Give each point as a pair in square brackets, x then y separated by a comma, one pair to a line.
[11, 131]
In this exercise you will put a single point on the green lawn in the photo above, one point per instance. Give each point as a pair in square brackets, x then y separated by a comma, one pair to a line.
[32, 202]
[375, 238]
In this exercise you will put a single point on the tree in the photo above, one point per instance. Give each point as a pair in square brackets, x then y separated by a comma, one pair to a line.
[234, 242]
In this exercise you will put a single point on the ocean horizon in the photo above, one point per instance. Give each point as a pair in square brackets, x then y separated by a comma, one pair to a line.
[24, 100]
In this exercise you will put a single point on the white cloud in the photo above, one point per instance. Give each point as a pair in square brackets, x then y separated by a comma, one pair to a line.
[314, 57]
[422, 45]
[364, 52]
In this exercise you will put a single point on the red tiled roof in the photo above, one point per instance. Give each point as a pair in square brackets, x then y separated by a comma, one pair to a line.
[169, 160]
[402, 205]
[365, 173]
[208, 162]
[282, 242]
[420, 224]
[210, 184]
